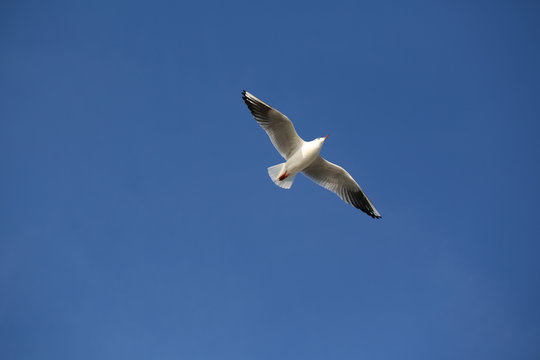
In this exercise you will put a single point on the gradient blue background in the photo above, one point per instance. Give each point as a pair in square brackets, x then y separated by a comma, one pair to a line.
[138, 220]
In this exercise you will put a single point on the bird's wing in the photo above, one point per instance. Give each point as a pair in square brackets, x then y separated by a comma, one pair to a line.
[278, 127]
[337, 180]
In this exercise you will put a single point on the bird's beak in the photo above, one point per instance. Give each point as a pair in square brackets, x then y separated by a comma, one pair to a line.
[326, 136]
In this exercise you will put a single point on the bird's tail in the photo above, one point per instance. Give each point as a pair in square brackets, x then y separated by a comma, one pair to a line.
[280, 177]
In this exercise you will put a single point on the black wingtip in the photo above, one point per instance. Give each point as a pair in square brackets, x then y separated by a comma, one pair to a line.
[372, 214]
[244, 96]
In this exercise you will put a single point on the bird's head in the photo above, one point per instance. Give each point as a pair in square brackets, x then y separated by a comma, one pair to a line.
[322, 139]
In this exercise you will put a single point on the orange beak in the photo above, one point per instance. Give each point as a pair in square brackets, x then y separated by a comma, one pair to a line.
[326, 136]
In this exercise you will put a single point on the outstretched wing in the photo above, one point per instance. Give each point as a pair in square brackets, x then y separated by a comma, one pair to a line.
[337, 180]
[278, 127]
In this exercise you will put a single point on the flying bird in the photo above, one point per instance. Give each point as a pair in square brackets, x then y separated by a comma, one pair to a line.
[303, 156]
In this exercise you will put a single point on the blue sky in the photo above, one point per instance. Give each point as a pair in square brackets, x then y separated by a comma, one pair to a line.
[138, 220]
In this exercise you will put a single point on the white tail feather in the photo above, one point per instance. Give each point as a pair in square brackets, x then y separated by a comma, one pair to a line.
[275, 171]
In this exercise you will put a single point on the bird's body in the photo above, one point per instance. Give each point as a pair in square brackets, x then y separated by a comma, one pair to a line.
[304, 156]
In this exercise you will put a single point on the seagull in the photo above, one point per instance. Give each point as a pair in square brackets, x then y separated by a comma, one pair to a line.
[303, 156]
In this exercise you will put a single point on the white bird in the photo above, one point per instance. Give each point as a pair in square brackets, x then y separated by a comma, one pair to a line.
[303, 156]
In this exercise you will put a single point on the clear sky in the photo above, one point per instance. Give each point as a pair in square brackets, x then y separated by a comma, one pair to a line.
[138, 220]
